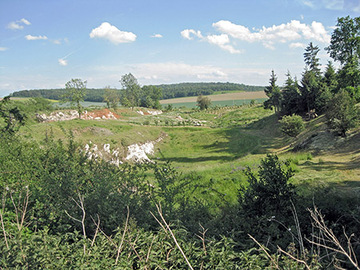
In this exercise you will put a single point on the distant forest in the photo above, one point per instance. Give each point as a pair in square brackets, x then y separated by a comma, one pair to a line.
[168, 90]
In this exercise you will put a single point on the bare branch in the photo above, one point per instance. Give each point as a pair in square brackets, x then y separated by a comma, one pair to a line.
[123, 236]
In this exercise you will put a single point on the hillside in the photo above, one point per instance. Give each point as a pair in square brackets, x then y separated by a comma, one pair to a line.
[169, 91]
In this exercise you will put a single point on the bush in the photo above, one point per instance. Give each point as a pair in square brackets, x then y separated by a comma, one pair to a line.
[292, 125]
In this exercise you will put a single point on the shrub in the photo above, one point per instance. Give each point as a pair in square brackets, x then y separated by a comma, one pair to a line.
[292, 125]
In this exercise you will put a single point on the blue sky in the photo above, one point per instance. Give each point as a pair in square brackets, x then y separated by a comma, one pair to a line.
[45, 43]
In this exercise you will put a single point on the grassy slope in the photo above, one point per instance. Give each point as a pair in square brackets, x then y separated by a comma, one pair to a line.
[231, 140]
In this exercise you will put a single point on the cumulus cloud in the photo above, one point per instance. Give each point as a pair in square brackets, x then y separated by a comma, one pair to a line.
[18, 25]
[221, 41]
[2, 49]
[30, 37]
[189, 33]
[157, 36]
[293, 30]
[112, 33]
[62, 62]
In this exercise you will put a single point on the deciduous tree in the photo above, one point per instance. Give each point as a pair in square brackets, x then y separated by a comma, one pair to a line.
[75, 93]
[131, 91]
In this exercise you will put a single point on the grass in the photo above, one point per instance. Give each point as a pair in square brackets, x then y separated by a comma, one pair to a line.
[220, 103]
[215, 154]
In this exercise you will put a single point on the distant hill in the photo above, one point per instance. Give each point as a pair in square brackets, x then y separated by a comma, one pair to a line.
[195, 89]
[169, 91]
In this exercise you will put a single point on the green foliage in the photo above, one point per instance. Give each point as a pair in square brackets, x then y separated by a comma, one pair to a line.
[292, 125]
[266, 201]
[291, 96]
[274, 94]
[349, 78]
[203, 102]
[11, 118]
[345, 42]
[342, 113]
[150, 97]
[133, 95]
[75, 93]
[131, 91]
[111, 97]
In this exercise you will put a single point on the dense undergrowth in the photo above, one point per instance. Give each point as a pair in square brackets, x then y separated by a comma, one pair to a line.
[61, 210]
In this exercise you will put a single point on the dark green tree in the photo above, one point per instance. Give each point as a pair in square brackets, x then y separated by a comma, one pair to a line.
[274, 94]
[131, 91]
[330, 78]
[349, 78]
[311, 59]
[291, 96]
[310, 81]
[345, 40]
[75, 93]
[203, 102]
[342, 114]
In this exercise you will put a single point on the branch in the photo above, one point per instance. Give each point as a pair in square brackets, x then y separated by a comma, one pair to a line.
[172, 235]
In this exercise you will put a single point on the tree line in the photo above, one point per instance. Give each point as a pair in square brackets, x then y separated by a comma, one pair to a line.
[333, 92]
[168, 91]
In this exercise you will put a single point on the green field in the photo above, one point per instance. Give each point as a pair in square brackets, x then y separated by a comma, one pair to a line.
[218, 103]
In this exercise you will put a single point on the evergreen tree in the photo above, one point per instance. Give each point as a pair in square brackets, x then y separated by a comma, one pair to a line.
[311, 59]
[330, 78]
[274, 94]
[310, 82]
[291, 96]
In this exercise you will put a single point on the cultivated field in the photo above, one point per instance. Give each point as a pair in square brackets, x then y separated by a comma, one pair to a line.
[220, 97]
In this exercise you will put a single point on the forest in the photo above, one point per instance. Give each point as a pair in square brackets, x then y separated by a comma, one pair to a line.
[244, 207]
[168, 91]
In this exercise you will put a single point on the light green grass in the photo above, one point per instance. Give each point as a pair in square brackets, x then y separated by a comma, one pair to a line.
[218, 103]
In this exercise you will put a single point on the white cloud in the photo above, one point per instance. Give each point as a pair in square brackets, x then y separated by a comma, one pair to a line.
[113, 34]
[2, 49]
[189, 33]
[18, 25]
[297, 45]
[219, 40]
[30, 37]
[62, 62]
[282, 33]
[25, 21]
[222, 41]
[157, 36]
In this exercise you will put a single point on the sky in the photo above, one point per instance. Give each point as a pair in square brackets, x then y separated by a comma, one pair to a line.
[45, 43]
